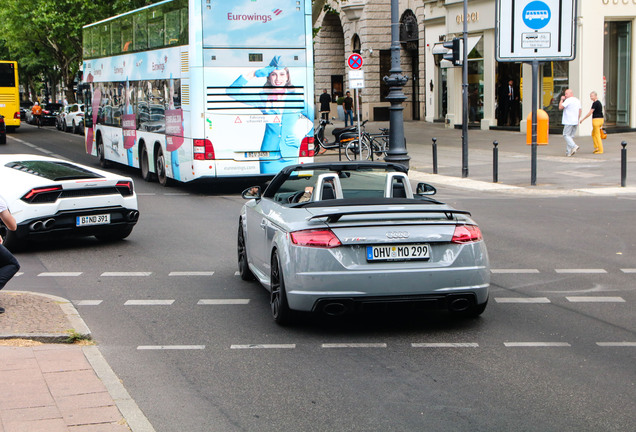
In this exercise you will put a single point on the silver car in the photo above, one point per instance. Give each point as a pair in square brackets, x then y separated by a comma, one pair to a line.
[345, 237]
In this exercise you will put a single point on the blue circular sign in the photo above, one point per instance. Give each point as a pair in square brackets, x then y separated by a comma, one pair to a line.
[536, 15]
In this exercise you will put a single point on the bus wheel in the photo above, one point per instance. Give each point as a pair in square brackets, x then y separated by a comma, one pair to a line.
[145, 165]
[160, 168]
[100, 153]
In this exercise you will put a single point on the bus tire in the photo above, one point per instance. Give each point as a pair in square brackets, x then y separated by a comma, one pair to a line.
[100, 153]
[144, 164]
[160, 167]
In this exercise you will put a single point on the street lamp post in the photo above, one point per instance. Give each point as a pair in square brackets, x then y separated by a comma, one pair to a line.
[397, 143]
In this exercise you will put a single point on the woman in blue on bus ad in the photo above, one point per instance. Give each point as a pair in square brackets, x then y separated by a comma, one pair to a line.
[287, 129]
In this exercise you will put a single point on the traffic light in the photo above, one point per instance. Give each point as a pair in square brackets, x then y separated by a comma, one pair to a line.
[454, 56]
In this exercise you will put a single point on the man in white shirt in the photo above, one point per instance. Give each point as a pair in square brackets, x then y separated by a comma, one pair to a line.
[571, 108]
[9, 266]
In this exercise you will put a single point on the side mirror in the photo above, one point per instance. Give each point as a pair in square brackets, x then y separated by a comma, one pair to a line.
[425, 189]
[253, 192]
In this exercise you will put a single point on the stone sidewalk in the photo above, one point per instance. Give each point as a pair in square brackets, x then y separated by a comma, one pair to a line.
[51, 386]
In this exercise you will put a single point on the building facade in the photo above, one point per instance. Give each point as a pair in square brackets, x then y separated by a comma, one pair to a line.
[605, 62]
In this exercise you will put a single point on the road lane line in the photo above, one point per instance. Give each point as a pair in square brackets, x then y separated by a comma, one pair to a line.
[148, 302]
[18, 274]
[171, 347]
[616, 344]
[59, 274]
[583, 299]
[581, 271]
[514, 271]
[88, 302]
[135, 274]
[632, 270]
[536, 344]
[264, 346]
[445, 345]
[191, 273]
[522, 300]
[215, 302]
[354, 345]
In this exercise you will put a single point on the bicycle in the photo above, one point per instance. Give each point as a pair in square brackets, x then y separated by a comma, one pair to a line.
[379, 142]
[345, 138]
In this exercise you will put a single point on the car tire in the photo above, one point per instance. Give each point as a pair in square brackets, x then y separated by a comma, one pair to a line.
[244, 269]
[75, 128]
[115, 234]
[64, 126]
[100, 153]
[81, 128]
[281, 312]
[144, 165]
[160, 168]
[3, 139]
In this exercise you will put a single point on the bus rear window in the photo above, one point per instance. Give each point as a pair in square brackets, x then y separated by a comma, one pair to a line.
[7, 75]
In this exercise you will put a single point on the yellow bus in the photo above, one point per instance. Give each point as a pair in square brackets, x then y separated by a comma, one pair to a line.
[9, 94]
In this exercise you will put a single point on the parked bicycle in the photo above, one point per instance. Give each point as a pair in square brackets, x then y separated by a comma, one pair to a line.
[344, 139]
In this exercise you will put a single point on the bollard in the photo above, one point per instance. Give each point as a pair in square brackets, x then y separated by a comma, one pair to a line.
[623, 163]
[434, 155]
[495, 162]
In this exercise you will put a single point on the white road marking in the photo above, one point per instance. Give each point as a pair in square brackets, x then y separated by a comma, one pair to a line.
[597, 299]
[354, 345]
[146, 194]
[445, 345]
[148, 302]
[171, 347]
[60, 274]
[236, 273]
[633, 270]
[514, 271]
[136, 274]
[88, 302]
[264, 346]
[176, 194]
[536, 344]
[581, 271]
[18, 274]
[223, 301]
[616, 344]
[522, 300]
[191, 273]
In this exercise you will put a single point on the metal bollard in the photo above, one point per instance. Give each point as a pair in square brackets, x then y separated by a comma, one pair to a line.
[495, 162]
[434, 155]
[623, 163]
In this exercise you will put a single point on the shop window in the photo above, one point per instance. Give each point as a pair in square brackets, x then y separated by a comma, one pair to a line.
[475, 79]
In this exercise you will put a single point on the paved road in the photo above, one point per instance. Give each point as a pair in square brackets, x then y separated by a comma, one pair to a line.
[197, 349]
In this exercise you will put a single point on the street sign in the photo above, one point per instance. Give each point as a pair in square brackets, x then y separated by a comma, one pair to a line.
[543, 30]
[355, 61]
[356, 79]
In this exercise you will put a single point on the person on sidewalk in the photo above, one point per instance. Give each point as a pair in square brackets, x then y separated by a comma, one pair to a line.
[571, 108]
[597, 122]
[9, 266]
[348, 108]
[325, 100]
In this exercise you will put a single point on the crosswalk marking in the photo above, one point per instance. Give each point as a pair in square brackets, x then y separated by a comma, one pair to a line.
[136, 274]
[445, 345]
[148, 302]
[581, 271]
[536, 344]
[354, 345]
[223, 302]
[59, 274]
[522, 300]
[264, 346]
[583, 299]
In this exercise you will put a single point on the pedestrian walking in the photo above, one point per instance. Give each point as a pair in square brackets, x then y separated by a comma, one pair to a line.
[597, 122]
[571, 108]
[325, 100]
[348, 108]
[9, 265]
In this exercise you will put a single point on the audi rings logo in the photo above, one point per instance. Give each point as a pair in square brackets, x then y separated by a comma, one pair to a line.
[397, 234]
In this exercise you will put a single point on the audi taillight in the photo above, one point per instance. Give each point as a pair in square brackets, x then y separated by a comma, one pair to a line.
[203, 149]
[42, 194]
[304, 147]
[315, 238]
[125, 187]
[466, 234]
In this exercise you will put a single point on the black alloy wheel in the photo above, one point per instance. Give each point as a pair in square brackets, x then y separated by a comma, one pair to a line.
[244, 269]
[281, 312]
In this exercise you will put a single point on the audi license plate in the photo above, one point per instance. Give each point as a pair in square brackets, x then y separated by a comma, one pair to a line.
[401, 252]
[256, 155]
[102, 219]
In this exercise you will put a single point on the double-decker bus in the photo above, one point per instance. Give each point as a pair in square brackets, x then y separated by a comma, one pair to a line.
[9, 94]
[191, 89]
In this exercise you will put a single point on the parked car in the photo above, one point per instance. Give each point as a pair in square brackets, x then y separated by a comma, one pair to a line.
[51, 197]
[60, 119]
[74, 120]
[25, 107]
[50, 112]
[345, 237]
[3, 130]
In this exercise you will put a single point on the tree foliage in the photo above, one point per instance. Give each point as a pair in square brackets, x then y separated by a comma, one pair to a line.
[45, 36]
